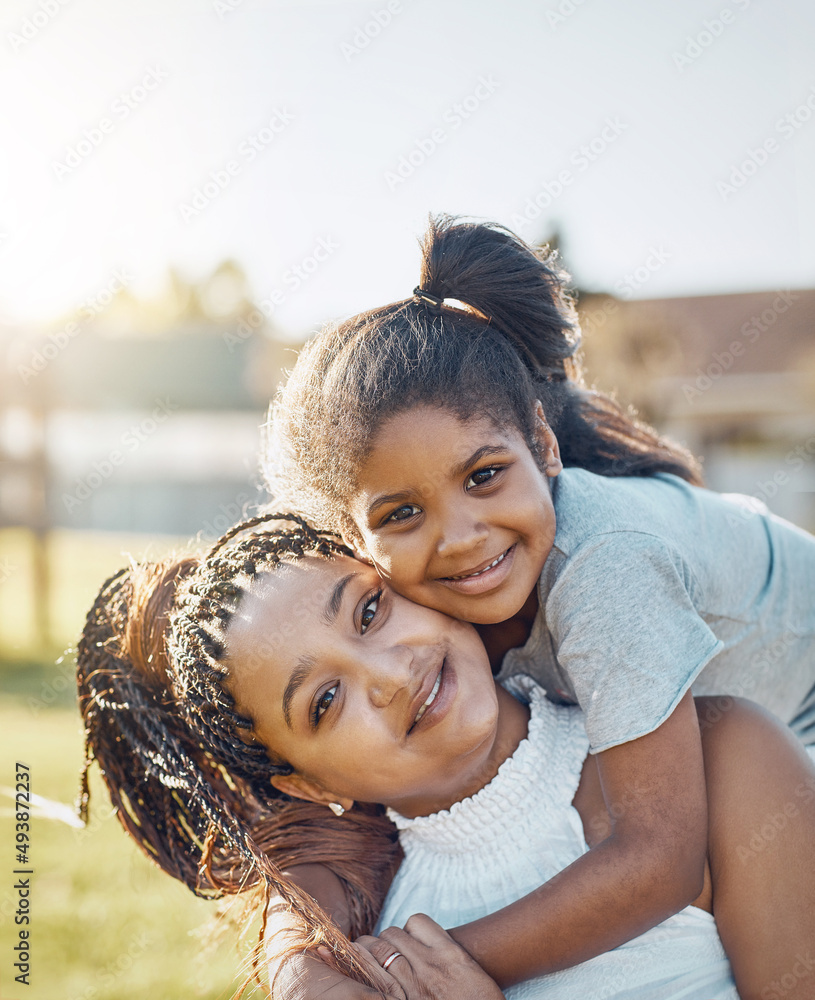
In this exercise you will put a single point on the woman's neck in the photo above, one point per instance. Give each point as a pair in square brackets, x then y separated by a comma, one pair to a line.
[512, 726]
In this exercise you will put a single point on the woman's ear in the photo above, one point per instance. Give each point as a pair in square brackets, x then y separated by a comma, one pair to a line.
[299, 787]
[548, 448]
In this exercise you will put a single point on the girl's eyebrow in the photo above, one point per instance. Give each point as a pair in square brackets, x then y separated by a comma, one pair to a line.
[477, 455]
[457, 470]
[388, 498]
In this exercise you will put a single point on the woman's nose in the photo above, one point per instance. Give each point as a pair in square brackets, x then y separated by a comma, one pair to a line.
[390, 673]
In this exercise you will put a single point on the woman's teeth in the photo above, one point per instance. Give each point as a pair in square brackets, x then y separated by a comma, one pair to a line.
[430, 698]
[467, 576]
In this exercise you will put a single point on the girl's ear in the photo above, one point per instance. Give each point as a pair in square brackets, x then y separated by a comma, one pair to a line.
[299, 787]
[357, 546]
[549, 449]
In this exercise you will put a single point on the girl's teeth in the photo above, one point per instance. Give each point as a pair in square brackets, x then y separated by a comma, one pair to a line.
[484, 570]
[430, 698]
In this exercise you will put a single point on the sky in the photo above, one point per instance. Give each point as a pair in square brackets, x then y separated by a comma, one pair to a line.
[671, 145]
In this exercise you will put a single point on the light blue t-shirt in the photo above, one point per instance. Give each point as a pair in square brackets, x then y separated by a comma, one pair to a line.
[652, 586]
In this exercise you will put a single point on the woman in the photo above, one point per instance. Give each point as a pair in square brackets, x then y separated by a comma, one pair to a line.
[197, 683]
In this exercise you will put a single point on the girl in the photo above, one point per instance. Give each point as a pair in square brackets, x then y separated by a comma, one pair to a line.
[433, 433]
[280, 667]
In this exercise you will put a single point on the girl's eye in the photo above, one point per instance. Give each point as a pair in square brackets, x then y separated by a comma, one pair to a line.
[369, 611]
[402, 513]
[322, 704]
[481, 477]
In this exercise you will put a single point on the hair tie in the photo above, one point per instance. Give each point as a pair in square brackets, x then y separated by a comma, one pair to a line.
[433, 302]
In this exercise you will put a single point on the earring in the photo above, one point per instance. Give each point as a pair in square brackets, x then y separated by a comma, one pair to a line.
[336, 808]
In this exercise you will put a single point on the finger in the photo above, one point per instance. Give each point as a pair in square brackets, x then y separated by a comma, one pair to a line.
[420, 933]
[387, 984]
[425, 930]
[381, 948]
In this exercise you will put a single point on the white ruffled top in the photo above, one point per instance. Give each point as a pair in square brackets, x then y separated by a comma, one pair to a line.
[519, 831]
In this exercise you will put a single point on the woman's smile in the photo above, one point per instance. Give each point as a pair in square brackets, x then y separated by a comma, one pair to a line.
[367, 696]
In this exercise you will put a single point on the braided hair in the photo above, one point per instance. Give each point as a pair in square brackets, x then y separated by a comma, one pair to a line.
[187, 784]
[490, 330]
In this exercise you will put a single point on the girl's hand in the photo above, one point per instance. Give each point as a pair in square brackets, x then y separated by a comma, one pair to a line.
[430, 965]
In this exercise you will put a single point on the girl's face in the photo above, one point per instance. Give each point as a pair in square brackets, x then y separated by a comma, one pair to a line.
[368, 696]
[457, 515]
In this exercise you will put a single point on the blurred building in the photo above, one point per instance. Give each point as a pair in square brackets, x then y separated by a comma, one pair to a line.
[731, 376]
[143, 418]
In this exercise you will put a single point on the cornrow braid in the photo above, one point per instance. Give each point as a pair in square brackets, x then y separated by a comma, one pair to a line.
[186, 783]
[204, 609]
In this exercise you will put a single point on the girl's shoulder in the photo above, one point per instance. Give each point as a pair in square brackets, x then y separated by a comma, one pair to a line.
[662, 507]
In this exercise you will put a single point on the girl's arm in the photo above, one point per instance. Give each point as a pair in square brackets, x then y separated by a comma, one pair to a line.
[648, 867]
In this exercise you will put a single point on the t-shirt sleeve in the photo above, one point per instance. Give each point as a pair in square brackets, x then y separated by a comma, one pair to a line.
[626, 631]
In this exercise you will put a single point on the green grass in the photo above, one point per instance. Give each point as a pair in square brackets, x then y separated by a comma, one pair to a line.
[78, 563]
[106, 924]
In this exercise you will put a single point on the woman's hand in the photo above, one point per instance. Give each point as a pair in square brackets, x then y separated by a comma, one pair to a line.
[430, 965]
[306, 977]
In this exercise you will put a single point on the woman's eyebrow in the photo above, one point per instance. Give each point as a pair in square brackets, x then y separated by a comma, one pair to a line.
[306, 663]
[298, 677]
[334, 602]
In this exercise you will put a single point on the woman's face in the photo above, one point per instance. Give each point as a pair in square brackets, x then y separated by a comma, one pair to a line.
[369, 697]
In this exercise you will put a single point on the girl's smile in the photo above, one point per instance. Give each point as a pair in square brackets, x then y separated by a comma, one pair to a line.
[368, 697]
[457, 515]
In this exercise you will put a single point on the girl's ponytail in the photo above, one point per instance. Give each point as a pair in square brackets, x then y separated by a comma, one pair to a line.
[490, 330]
[518, 290]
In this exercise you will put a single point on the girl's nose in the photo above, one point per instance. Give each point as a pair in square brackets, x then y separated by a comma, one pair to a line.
[460, 535]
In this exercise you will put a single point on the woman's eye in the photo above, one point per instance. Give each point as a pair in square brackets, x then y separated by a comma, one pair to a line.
[322, 704]
[369, 611]
[402, 513]
[481, 476]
